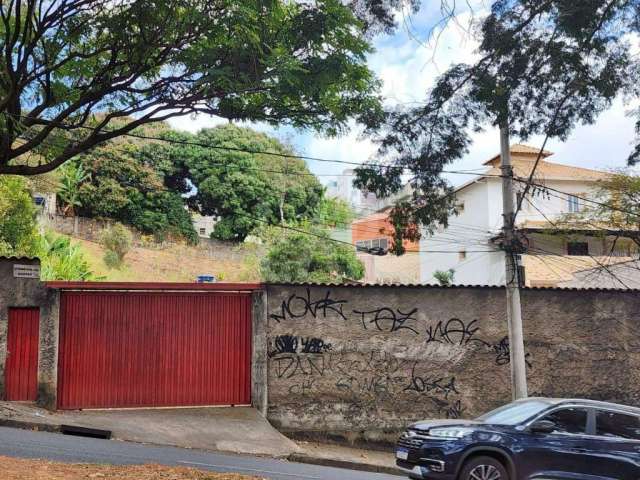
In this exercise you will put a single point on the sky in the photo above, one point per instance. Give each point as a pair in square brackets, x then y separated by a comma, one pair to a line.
[408, 62]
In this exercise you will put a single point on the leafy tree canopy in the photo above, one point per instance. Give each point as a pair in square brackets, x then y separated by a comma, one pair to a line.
[132, 62]
[310, 257]
[19, 235]
[131, 180]
[246, 190]
[544, 66]
[18, 228]
[615, 209]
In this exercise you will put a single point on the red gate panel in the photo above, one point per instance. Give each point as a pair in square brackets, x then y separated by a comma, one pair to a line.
[154, 349]
[21, 367]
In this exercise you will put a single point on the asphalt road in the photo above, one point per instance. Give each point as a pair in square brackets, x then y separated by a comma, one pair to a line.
[53, 446]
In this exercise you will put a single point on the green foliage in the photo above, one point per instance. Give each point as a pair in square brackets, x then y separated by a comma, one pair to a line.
[335, 213]
[304, 257]
[18, 228]
[246, 190]
[132, 182]
[616, 207]
[117, 243]
[444, 278]
[72, 176]
[301, 64]
[60, 260]
[543, 68]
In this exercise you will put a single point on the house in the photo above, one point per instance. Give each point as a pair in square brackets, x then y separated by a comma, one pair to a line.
[373, 237]
[203, 225]
[554, 255]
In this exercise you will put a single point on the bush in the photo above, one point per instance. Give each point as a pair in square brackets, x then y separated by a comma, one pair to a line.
[310, 256]
[117, 242]
[61, 260]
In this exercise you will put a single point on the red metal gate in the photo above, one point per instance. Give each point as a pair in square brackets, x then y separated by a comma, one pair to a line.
[154, 349]
[21, 368]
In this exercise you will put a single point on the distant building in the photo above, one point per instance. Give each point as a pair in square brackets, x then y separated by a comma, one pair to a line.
[360, 201]
[204, 225]
[373, 237]
[469, 245]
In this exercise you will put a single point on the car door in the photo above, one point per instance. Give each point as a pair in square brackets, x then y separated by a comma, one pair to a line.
[559, 455]
[615, 447]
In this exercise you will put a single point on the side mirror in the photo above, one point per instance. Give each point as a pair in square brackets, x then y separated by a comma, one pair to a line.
[542, 426]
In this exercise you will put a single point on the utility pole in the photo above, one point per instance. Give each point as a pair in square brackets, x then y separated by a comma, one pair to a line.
[514, 312]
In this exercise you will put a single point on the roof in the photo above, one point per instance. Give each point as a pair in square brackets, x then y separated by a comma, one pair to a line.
[449, 287]
[12, 257]
[371, 218]
[523, 159]
[624, 274]
[519, 149]
[572, 271]
[157, 286]
[575, 226]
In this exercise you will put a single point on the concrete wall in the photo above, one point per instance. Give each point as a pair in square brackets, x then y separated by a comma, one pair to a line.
[365, 361]
[30, 292]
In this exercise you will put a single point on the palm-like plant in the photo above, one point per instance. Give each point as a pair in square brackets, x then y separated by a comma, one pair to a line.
[73, 176]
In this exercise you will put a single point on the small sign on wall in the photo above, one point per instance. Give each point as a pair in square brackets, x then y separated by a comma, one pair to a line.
[26, 271]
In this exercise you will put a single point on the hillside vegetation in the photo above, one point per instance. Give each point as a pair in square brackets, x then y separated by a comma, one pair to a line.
[178, 263]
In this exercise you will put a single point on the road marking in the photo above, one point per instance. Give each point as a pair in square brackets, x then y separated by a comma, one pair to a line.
[232, 467]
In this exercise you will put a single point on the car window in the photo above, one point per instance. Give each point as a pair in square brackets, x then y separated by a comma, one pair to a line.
[514, 413]
[619, 425]
[569, 420]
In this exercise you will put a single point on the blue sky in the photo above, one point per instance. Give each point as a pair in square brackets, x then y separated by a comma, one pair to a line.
[408, 62]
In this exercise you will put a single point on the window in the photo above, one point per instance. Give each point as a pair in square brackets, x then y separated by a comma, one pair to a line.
[366, 245]
[574, 204]
[569, 420]
[203, 231]
[462, 254]
[619, 425]
[578, 248]
[461, 207]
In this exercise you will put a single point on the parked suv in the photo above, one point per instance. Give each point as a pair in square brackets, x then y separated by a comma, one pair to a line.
[536, 438]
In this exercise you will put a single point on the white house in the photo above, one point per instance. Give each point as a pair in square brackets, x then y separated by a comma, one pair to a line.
[203, 225]
[468, 245]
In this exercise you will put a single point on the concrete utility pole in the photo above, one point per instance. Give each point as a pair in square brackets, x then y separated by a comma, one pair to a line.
[514, 313]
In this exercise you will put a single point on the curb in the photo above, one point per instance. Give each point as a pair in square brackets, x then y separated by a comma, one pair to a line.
[35, 426]
[329, 462]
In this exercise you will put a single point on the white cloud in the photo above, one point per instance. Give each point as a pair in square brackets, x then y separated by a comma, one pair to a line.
[193, 123]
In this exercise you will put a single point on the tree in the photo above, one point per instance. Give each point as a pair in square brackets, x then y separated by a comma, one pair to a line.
[310, 255]
[614, 210]
[246, 190]
[18, 227]
[334, 213]
[117, 243]
[132, 182]
[544, 67]
[76, 73]
[72, 176]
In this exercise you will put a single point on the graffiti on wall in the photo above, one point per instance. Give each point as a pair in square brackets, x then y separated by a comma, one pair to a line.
[369, 379]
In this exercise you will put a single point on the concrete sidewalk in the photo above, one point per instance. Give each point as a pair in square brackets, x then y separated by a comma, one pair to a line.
[239, 430]
[236, 430]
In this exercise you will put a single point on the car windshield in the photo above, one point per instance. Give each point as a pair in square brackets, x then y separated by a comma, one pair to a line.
[514, 413]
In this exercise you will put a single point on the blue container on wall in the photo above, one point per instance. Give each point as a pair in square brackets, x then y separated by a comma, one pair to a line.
[206, 279]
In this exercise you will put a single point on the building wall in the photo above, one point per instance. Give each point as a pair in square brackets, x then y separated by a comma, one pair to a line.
[204, 225]
[366, 361]
[30, 292]
[481, 220]
[464, 246]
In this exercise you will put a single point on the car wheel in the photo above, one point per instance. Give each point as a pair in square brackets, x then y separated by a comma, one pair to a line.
[483, 468]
